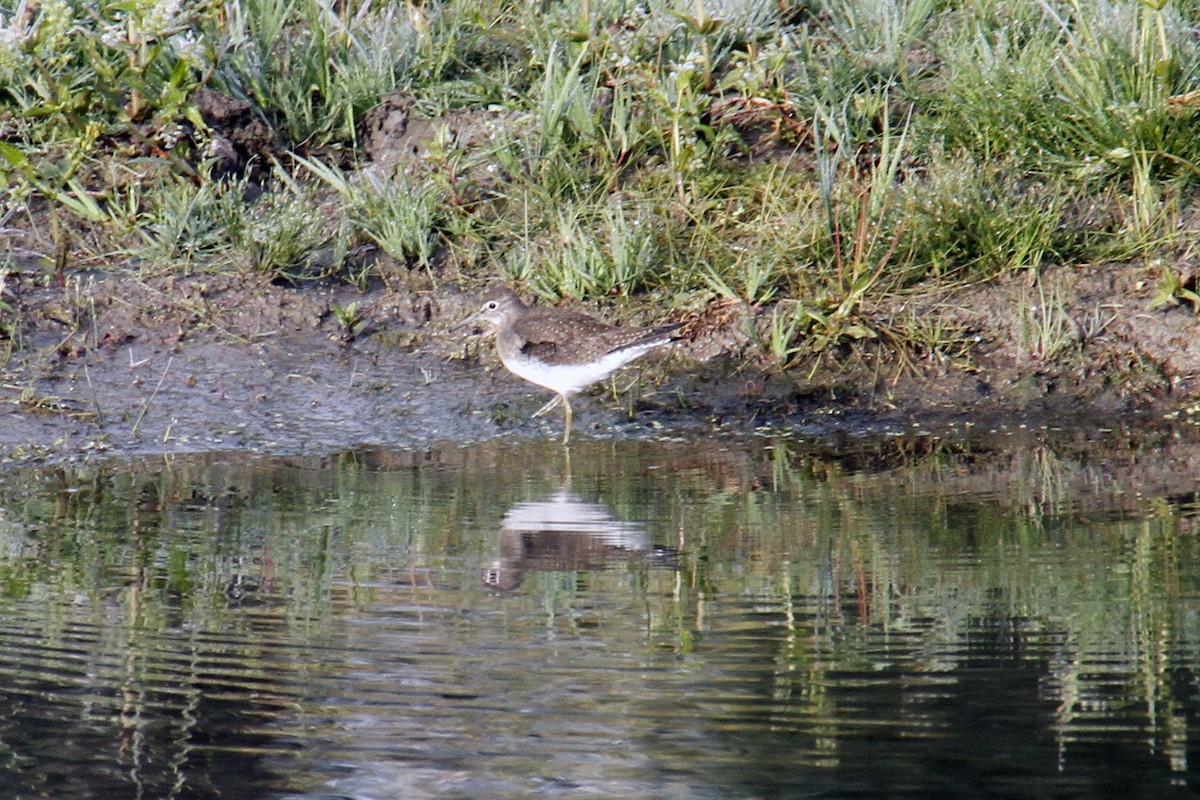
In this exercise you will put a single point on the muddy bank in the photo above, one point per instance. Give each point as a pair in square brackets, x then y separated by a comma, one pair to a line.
[131, 365]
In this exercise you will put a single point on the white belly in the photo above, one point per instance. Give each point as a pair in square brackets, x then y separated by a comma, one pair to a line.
[567, 379]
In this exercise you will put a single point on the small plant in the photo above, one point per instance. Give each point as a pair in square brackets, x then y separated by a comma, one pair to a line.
[55, 179]
[752, 279]
[1152, 207]
[880, 33]
[972, 219]
[932, 335]
[281, 232]
[1045, 330]
[350, 319]
[194, 225]
[860, 258]
[401, 215]
[213, 226]
[1174, 288]
[591, 253]
[634, 246]
[787, 320]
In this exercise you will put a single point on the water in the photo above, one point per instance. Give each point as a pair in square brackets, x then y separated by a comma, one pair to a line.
[720, 619]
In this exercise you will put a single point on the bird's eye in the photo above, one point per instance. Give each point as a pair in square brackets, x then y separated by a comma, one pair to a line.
[491, 305]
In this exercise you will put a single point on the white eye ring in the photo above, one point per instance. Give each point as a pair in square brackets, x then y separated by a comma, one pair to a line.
[491, 305]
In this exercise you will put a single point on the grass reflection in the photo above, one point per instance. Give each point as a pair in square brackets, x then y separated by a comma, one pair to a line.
[780, 589]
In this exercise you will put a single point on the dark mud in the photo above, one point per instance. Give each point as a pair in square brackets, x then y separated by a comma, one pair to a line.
[129, 365]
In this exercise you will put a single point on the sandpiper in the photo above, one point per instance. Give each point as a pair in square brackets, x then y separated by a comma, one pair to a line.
[561, 350]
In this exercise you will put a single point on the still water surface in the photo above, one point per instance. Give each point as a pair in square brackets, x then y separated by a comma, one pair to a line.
[723, 619]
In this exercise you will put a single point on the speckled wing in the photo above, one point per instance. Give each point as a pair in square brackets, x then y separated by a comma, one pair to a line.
[561, 337]
[642, 337]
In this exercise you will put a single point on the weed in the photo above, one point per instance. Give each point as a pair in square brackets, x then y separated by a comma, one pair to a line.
[591, 252]
[787, 319]
[350, 319]
[401, 214]
[972, 219]
[56, 179]
[1173, 288]
[1045, 330]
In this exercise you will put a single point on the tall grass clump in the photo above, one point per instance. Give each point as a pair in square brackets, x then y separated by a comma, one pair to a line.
[1121, 64]
[991, 100]
[214, 227]
[880, 34]
[401, 214]
[976, 220]
[853, 63]
[614, 248]
[315, 67]
[1131, 72]
[855, 255]
[1076, 88]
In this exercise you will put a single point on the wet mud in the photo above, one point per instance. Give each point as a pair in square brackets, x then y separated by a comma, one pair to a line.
[132, 365]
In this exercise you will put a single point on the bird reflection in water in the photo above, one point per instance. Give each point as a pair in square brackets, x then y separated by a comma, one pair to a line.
[566, 533]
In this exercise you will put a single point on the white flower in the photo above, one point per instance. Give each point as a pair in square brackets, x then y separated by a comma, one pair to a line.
[113, 35]
[190, 49]
[163, 17]
[170, 135]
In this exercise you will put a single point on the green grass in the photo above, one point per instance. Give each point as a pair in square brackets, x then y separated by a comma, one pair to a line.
[827, 157]
[215, 227]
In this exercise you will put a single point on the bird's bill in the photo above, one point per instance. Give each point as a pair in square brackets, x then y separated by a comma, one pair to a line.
[466, 321]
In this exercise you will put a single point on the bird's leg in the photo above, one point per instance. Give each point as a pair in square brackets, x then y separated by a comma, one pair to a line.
[567, 428]
[547, 408]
